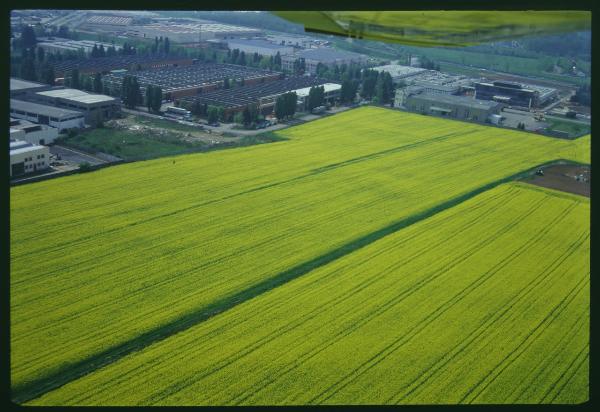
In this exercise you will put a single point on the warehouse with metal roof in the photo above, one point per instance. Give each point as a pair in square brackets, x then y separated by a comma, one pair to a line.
[264, 95]
[178, 82]
[43, 114]
[262, 47]
[20, 87]
[323, 55]
[460, 107]
[96, 107]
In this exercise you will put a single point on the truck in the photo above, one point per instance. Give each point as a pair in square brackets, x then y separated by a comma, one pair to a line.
[178, 112]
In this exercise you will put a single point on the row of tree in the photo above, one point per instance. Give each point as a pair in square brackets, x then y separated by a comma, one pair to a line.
[377, 86]
[236, 56]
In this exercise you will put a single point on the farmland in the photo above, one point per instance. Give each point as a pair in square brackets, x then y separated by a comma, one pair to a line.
[414, 323]
[126, 256]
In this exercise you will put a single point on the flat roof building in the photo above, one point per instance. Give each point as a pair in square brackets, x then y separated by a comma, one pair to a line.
[262, 47]
[27, 158]
[20, 87]
[53, 45]
[459, 107]
[398, 71]
[515, 94]
[178, 82]
[263, 95]
[193, 32]
[107, 64]
[326, 56]
[43, 114]
[96, 107]
[39, 134]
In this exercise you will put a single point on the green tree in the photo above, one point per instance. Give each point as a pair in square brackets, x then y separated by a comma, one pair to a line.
[28, 38]
[167, 46]
[63, 31]
[98, 83]
[47, 74]
[277, 62]
[238, 118]
[316, 97]
[290, 102]
[280, 107]
[74, 79]
[88, 84]
[28, 71]
[212, 114]
[130, 92]
[41, 54]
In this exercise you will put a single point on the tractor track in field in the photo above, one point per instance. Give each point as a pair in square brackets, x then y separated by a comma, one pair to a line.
[44, 384]
[490, 320]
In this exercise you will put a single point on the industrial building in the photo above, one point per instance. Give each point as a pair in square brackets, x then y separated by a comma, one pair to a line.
[60, 45]
[459, 107]
[38, 134]
[193, 32]
[95, 107]
[107, 64]
[178, 82]
[398, 71]
[433, 81]
[20, 87]
[264, 95]
[326, 56]
[27, 158]
[332, 92]
[43, 114]
[515, 94]
[301, 42]
[110, 20]
[262, 47]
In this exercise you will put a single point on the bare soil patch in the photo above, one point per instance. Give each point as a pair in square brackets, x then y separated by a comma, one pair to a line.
[567, 178]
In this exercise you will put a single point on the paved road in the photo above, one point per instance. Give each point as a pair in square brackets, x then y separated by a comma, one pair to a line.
[75, 156]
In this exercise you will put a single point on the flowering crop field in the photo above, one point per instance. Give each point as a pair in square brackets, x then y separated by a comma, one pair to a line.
[108, 263]
[485, 302]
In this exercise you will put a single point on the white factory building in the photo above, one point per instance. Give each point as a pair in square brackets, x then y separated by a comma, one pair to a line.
[95, 107]
[262, 47]
[193, 32]
[60, 45]
[38, 134]
[327, 56]
[398, 71]
[27, 158]
[47, 115]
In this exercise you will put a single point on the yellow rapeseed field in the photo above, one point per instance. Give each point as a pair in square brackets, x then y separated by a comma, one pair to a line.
[486, 302]
[108, 262]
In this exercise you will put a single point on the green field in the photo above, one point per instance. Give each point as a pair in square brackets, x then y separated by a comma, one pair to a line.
[125, 256]
[573, 128]
[487, 303]
[129, 145]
